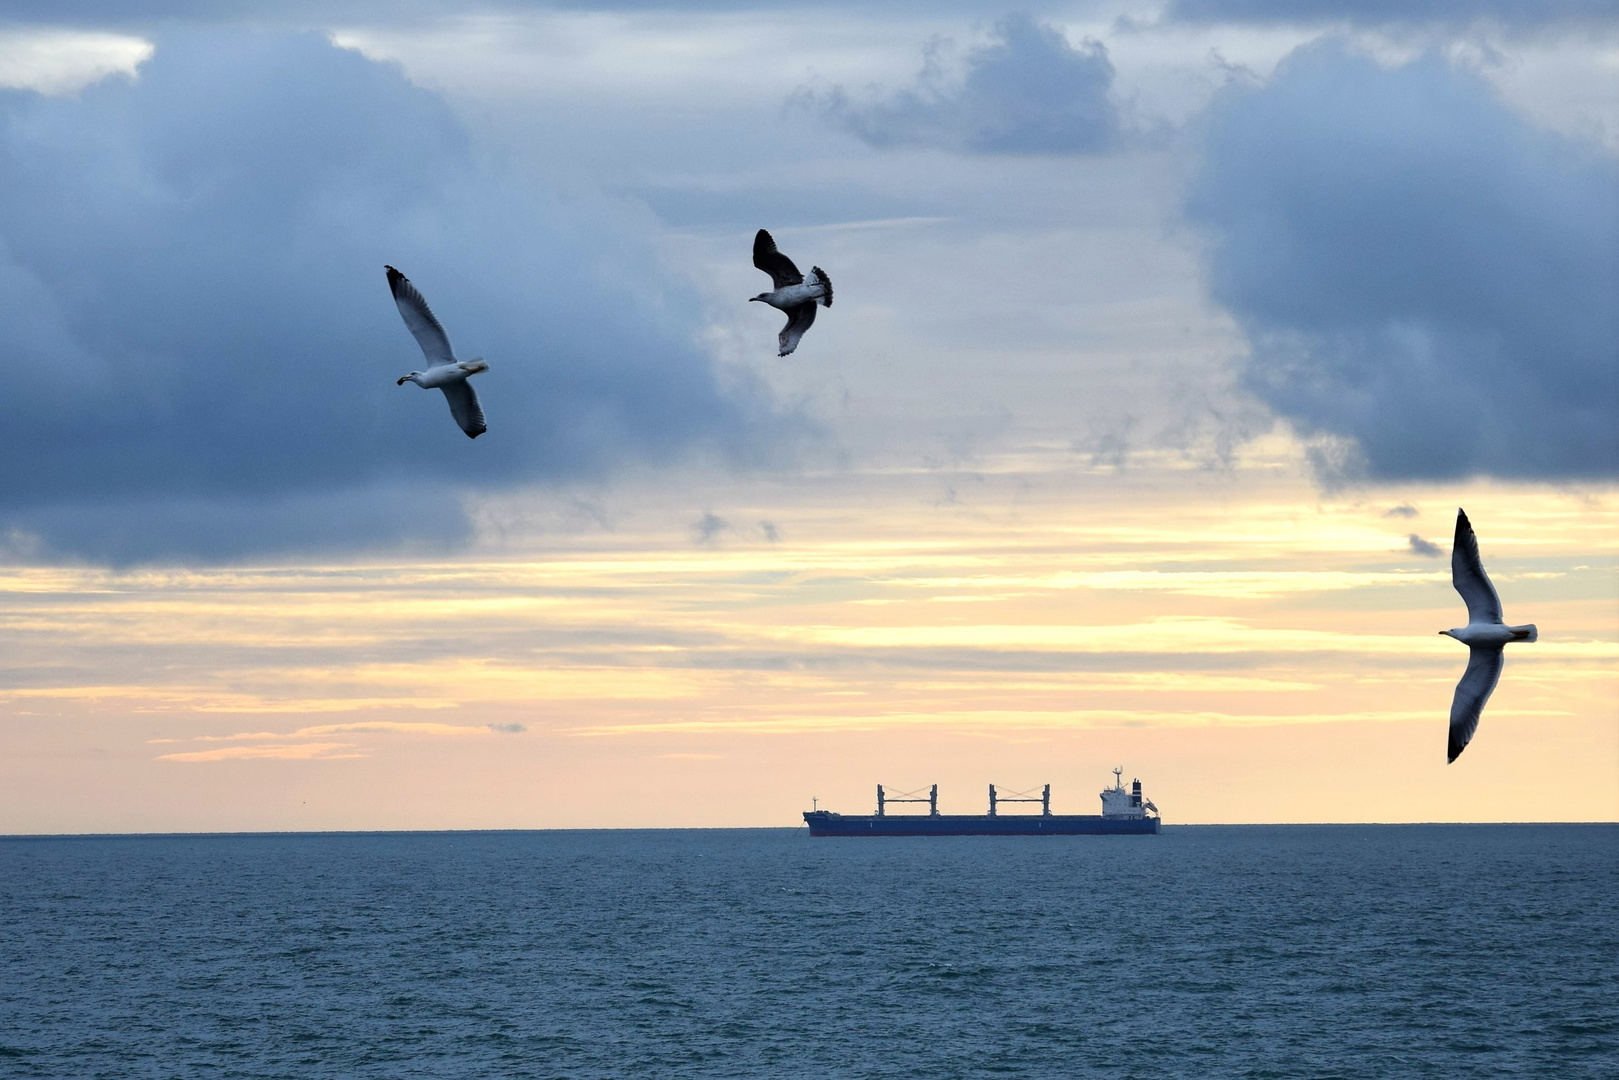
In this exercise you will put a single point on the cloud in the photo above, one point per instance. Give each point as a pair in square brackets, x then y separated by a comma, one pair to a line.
[294, 752]
[1513, 13]
[1429, 284]
[394, 13]
[200, 345]
[706, 529]
[270, 746]
[1404, 510]
[1027, 92]
[57, 61]
[360, 727]
[1422, 547]
[989, 721]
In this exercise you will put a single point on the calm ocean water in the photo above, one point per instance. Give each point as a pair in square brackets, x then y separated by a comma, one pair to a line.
[1295, 951]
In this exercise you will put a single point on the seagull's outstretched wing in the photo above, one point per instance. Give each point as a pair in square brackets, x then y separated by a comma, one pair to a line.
[1478, 682]
[799, 319]
[778, 266]
[420, 320]
[465, 408]
[1467, 574]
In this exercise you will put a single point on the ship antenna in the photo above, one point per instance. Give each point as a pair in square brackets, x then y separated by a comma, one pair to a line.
[815, 804]
[1118, 777]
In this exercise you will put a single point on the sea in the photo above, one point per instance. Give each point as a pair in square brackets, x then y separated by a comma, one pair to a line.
[1215, 951]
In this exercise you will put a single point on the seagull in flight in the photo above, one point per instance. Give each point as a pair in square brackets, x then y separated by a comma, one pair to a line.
[1485, 636]
[443, 369]
[792, 293]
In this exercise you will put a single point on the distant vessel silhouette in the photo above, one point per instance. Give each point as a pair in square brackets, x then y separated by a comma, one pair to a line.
[1123, 811]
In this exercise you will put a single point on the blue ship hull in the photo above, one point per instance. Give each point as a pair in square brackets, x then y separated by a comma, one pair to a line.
[826, 823]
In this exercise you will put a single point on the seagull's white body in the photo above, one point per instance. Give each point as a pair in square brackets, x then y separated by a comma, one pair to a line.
[444, 371]
[441, 375]
[1485, 635]
[793, 293]
[790, 296]
[1489, 635]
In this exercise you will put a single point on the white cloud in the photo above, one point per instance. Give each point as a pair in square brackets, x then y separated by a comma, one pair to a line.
[66, 61]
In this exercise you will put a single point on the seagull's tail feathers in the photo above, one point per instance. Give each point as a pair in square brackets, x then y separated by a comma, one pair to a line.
[825, 299]
[1525, 633]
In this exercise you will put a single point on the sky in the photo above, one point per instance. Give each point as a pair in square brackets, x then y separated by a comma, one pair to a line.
[1167, 341]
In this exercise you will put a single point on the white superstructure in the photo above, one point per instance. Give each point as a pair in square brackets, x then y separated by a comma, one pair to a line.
[1121, 802]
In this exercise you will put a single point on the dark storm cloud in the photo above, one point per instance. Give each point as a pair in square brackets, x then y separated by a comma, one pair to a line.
[1028, 92]
[200, 347]
[1420, 271]
[142, 526]
[1515, 13]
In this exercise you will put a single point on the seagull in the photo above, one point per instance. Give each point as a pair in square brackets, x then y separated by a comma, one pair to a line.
[443, 369]
[792, 293]
[1484, 635]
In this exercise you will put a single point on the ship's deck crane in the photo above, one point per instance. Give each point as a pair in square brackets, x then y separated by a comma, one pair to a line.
[932, 800]
[1044, 799]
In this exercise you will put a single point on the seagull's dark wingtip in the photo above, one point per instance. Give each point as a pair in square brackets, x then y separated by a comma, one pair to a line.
[1464, 529]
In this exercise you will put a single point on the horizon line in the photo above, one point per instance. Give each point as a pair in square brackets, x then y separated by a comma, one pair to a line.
[271, 833]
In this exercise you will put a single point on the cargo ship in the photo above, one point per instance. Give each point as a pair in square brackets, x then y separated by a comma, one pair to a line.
[1124, 810]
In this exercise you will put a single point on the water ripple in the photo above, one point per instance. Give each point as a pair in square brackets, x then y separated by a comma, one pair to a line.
[1352, 952]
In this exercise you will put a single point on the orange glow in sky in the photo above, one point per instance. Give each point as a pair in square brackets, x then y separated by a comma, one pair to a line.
[1252, 651]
